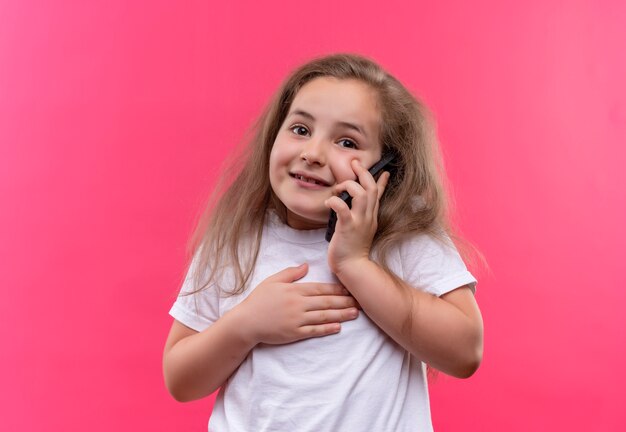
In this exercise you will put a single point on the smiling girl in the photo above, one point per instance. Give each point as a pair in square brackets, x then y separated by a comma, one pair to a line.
[304, 335]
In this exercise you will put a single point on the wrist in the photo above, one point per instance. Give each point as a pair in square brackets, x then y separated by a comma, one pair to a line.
[242, 325]
[348, 269]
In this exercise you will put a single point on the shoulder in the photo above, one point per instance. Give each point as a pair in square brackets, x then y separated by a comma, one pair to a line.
[197, 305]
[425, 245]
[432, 263]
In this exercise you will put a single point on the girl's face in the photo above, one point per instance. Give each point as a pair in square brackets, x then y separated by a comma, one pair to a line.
[330, 123]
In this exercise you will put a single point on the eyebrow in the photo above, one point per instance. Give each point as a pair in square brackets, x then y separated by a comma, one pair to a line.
[349, 125]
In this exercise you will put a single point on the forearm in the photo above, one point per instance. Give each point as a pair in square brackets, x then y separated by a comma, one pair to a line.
[432, 329]
[199, 364]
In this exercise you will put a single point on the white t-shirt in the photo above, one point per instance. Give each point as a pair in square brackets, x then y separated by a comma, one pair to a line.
[356, 380]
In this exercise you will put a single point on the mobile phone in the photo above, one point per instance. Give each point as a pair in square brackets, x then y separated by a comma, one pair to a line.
[345, 196]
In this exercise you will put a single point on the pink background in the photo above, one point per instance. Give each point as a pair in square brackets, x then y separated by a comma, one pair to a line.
[114, 116]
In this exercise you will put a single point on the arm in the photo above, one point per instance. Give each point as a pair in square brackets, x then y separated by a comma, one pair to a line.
[278, 311]
[446, 332]
[195, 364]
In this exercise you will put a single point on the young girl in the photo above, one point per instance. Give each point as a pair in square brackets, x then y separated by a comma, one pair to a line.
[302, 334]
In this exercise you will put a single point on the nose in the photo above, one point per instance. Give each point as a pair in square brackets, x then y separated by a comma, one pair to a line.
[314, 152]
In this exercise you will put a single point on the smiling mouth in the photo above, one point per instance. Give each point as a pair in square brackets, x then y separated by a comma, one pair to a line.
[308, 180]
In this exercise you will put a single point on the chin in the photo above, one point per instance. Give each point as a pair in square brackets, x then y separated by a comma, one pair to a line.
[307, 220]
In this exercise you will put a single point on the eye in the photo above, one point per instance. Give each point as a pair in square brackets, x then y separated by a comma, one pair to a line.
[299, 130]
[347, 143]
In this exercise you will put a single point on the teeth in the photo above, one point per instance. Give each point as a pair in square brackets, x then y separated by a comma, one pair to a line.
[308, 180]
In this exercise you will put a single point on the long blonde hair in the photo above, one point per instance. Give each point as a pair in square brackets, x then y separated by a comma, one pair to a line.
[228, 235]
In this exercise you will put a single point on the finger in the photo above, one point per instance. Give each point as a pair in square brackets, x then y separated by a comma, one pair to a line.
[355, 190]
[321, 289]
[359, 197]
[340, 207]
[339, 187]
[365, 178]
[310, 331]
[290, 274]
[315, 303]
[343, 187]
[382, 183]
[328, 316]
[367, 182]
[369, 185]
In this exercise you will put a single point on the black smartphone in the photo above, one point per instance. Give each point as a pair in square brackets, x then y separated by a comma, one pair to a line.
[374, 171]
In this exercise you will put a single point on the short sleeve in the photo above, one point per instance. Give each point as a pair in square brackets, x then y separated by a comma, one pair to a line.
[434, 266]
[196, 310]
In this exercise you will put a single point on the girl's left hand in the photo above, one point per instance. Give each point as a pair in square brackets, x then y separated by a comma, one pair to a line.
[356, 227]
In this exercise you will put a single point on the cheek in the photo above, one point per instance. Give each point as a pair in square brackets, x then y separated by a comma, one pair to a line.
[342, 170]
[273, 171]
[280, 154]
[278, 162]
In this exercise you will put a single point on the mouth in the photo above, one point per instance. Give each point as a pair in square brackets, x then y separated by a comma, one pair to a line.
[307, 179]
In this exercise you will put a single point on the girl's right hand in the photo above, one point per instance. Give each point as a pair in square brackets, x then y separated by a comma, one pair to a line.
[280, 311]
